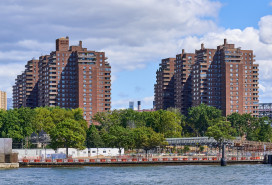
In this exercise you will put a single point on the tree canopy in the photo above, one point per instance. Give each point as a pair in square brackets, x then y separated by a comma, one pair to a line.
[128, 128]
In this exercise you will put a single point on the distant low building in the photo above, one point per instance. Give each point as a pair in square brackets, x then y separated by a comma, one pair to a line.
[131, 105]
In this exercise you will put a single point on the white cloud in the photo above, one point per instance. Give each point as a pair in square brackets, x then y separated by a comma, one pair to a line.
[265, 25]
[9, 71]
[132, 33]
[265, 67]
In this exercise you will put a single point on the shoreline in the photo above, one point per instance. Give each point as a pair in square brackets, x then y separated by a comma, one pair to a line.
[138, 163]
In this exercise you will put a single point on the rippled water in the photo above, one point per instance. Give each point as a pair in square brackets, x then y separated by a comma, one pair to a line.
[234, 174]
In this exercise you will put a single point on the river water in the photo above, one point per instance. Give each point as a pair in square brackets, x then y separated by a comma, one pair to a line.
[195, 174]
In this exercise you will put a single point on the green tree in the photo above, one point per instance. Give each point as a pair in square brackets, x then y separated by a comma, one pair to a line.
[93, 138]
[120, 137]
[165, 122]
[241, 123]
[201, 117]
[68, 133]
[265, 130]
[220, 131]
[43, 120]
[145, 138]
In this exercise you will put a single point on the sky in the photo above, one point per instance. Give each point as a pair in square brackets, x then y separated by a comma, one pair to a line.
[135, 35]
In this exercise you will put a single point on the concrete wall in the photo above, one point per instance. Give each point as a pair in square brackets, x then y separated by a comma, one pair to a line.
[5, 145]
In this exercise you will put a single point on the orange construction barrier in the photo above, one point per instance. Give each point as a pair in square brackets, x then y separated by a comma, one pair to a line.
[252, 158]
[113, 160]
[134, 159]
[70, 160]
[124, 160]
[214, 158]
[243, 158]
[194, 159]
[165, 159]
[102, 160]
[59, 160]
[92, 160]
[185, 159]
[233, 158]
[25, 160]
[37, 160]
[81, 160]
[175, 159]
[257, 158]
[155, 159]
[48, 160]
[144, 159]
[204, 158]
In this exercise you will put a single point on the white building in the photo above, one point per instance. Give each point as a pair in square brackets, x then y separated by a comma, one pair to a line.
[105, 151]
[72, 152]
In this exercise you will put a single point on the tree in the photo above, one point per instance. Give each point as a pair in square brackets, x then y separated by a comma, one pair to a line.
[145, 138]
[18, 125]
[265, 130]
[165, 122]
[68, 133]
[43, 120]
[202, 117]
[107, 119]
[93, 138]
[220, 131]
[120, 137]
[241, 123]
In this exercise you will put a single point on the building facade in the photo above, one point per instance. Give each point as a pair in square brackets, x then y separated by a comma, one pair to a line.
[225, 77]
[69, 77]
[183, 81]
[164, 87]
[3, 100]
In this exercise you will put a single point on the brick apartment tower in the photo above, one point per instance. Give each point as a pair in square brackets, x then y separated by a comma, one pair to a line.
[225, 78]
[164, 88]
[73, 77]
[3, 100]
[183, 81]
[17, 92]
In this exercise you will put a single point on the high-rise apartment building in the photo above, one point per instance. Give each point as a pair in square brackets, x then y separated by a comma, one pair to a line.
[164, 88]
[3, 100]
[183, 81]
[69, 77]
[225, 77]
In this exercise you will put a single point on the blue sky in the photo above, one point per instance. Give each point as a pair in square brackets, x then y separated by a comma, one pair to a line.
[135, 34]
[243, 13]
